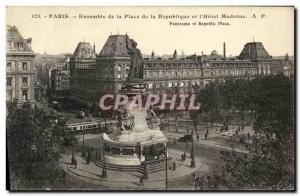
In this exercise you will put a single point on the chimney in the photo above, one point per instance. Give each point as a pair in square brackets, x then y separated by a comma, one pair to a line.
[224, 50]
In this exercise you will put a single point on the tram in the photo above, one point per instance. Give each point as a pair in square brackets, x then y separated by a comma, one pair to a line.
[93, 126]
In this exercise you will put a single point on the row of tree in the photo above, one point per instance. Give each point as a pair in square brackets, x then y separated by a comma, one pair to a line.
[270, 163]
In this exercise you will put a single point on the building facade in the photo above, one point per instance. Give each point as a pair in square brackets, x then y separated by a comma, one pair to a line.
[82, 73]
[94, 75]
[60, 78]
[20, 73]
[60, 83]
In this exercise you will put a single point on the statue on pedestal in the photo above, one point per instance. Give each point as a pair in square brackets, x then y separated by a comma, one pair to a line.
[136, 66]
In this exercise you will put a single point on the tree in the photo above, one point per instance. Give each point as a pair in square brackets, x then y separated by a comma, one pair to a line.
[209, 98]
[34, 139]
[270, 164]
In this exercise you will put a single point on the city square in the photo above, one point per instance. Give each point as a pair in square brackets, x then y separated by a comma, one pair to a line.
[118, 118]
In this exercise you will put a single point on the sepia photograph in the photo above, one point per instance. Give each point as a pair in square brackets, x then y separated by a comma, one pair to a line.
[150, 98]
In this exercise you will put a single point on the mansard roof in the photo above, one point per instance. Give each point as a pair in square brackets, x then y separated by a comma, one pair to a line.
[15, 42]
[115, 46]
[254, 50]
[84, 50]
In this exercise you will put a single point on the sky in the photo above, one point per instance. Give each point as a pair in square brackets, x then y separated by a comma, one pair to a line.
[273, 26]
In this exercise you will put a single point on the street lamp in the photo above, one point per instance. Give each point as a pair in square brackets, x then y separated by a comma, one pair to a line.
[193, 165]
[166, 152]
[187, 125]
[104, 172]
[168, 124]
[83, 151]
[145, 176]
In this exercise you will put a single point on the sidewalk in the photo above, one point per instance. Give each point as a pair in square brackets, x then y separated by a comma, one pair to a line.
[130, 180]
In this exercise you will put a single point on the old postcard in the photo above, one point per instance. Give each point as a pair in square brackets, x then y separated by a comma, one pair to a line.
[150, 98]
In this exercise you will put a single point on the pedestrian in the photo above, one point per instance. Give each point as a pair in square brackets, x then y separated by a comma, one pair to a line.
[75, 163]
[205, 135]
[88, 158]
[141, 181]
[174, 166]
[184, 156]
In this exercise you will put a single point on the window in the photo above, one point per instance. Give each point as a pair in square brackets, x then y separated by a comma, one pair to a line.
[9, 81]
[119, 68]
[25, 94]
[9, 43]
[9, 94]
[24, 66]
[9, 66]
[24, 82]
[150, 86]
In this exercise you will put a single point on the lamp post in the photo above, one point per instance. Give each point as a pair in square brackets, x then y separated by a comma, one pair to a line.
[104, 172]
[187, 125]
[168, 124]
[145, 176]
[193, 165]
[83, 151]
[166, 153]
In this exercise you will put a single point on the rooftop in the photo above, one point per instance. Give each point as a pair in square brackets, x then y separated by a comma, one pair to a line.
[15, 42]
[115, 46]
[254, 50]
[84, 50]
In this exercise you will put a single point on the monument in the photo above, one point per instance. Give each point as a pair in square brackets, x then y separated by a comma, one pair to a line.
[137, 140]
